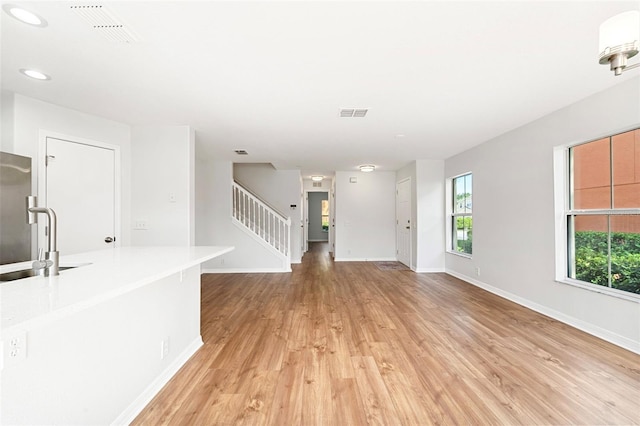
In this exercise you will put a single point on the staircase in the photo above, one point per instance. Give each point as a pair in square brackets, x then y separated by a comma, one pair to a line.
[264, 223]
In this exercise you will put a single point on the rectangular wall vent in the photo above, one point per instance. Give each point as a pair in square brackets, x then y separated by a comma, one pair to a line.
[353, 112]
[241, 152]
[105, 22]
[317, 184]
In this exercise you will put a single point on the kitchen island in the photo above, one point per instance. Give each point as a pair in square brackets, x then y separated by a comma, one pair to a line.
[94, 344]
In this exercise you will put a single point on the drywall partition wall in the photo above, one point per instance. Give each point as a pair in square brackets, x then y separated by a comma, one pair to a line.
[427, 213]
[513, 215]
[365, 216]
[33, 118]
[323, 185]
[430, 225]
[280, 189]
[214, 224]
[162, 185]
[315, 231]
[6, 121]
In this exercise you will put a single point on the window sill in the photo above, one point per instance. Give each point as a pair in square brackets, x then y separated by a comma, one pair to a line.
[600, 289]
[457, 253]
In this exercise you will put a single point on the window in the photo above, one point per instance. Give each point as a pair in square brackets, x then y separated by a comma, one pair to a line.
[325, 215]
[603, 215]
[461, 217]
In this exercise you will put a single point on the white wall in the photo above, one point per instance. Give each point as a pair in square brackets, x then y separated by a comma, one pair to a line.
[365, 216]
[23, 119]
[214, 225]
[162, 185]
[513, 215]
[430, 235]
[6, 121]
[280, 189]
[427, 213]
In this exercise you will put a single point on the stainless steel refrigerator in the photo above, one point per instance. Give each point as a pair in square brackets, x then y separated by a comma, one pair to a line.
[15, 186]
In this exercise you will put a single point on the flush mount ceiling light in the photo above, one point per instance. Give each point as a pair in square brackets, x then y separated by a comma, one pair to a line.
[367, 168]
[35, 74]
[317, 178]
[619, 40]
[24, 15]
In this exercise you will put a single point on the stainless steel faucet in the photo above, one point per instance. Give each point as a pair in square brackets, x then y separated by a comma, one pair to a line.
[51, 262]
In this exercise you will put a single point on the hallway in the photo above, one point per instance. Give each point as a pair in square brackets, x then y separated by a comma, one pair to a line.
[347, 343]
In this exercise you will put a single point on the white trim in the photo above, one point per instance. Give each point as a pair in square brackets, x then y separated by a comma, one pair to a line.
[589, 328]
[429, 270]
[412, 226]
[449, 214]
[560, 205]
[460, 254]
[609, 291]
[42, 176]
[305, 217]
[136, 407]
[245, 271]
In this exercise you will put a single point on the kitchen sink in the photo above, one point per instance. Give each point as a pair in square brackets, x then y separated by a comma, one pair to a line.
[26, 273]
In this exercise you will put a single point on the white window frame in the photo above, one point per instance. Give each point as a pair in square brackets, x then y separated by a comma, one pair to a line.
[451, 215]
[562, 184]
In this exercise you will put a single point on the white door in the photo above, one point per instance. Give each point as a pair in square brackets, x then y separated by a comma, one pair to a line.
[332, 218]
[403, 221]
[81, 189]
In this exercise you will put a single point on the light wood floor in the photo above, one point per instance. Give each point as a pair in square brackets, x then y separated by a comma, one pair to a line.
[350, 344]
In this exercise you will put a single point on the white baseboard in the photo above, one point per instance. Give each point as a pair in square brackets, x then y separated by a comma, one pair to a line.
[428, 270]
[364, 259]
[136, 407]
[245, 271]
[601, 333]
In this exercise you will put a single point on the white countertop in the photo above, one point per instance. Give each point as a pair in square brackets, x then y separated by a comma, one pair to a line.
[110, 273]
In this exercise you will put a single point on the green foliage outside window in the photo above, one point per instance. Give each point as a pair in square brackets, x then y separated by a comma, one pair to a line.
[592, 260]
[464, 224]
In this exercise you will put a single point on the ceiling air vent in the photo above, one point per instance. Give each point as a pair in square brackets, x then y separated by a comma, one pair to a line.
[105, 22]
[241, 152]
[353, 112]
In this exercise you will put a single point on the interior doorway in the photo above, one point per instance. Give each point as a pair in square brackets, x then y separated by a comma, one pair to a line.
[318, 217]
[403, 221]
[81, 186]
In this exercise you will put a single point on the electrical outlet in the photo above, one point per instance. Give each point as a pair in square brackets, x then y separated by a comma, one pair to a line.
[15, 348]
[477, 270]
[164, 348]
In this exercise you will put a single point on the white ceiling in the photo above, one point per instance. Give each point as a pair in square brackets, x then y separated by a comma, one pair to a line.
[270, 77]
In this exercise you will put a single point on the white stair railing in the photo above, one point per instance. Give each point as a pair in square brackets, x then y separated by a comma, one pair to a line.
[256, 216]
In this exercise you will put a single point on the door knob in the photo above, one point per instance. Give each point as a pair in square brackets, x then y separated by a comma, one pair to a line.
[108, 240]
[408, 227]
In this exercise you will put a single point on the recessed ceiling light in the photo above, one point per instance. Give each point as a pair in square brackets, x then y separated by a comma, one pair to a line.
[24, 15]
[35, 74]
[317, 178]
[367, 168]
